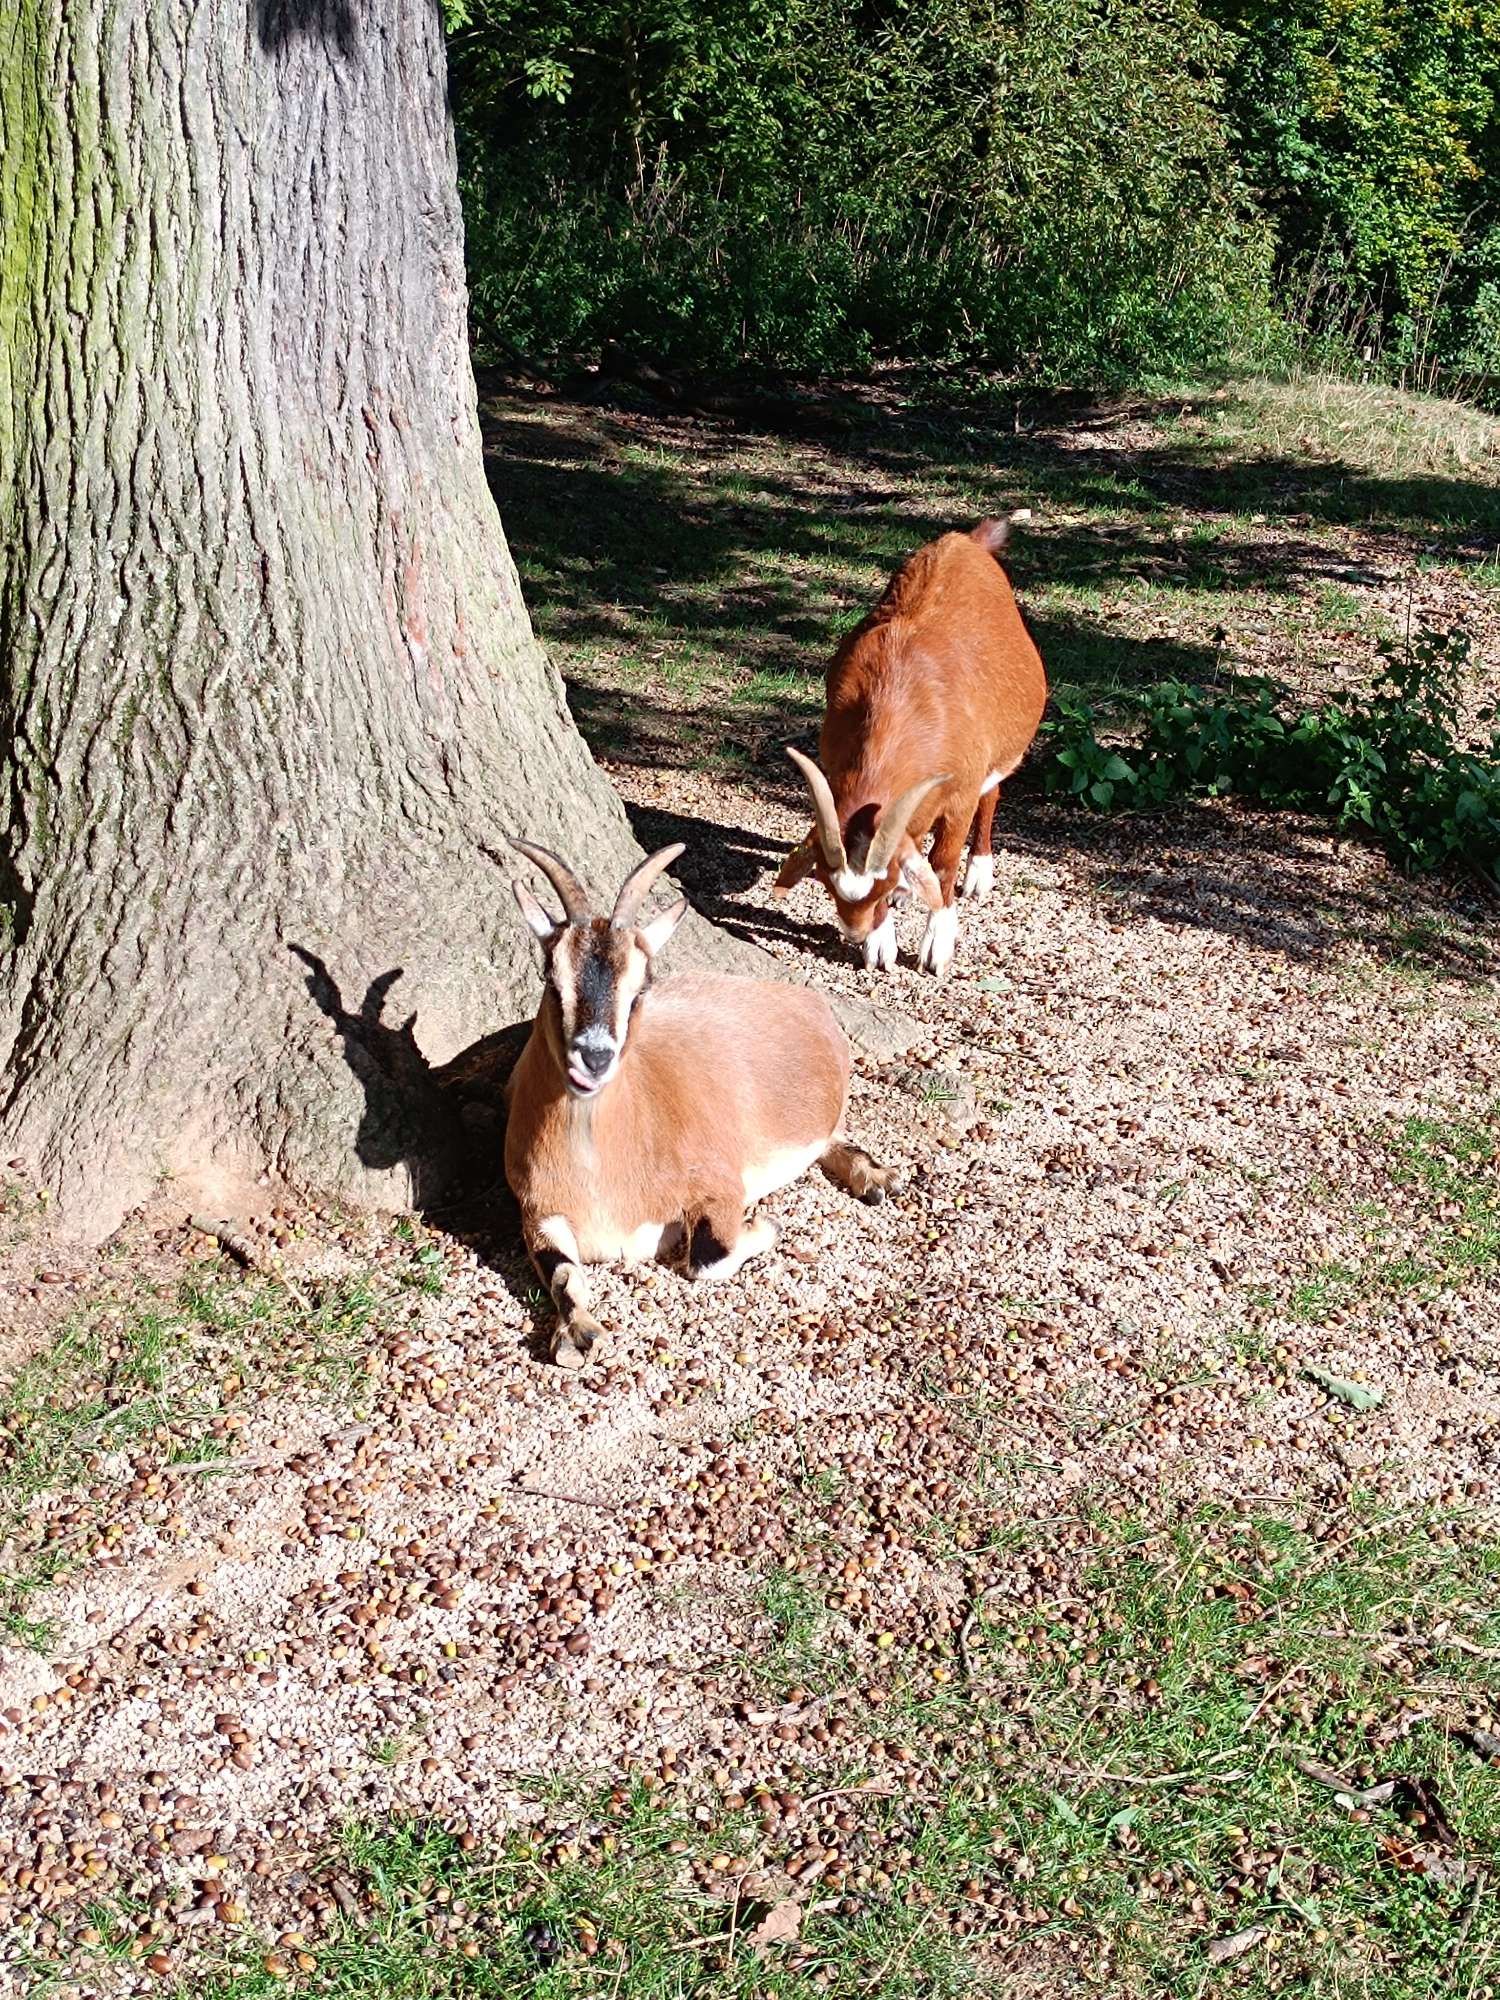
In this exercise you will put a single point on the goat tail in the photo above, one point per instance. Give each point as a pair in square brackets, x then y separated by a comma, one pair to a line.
[993, 532]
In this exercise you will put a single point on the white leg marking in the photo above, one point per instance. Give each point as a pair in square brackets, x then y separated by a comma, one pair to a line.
[979, 876]
[990, 783]
[555, 1232]
[751, 1241]
[880, 946]
[783, 1167]
[939, 941]
[644, 1243]
[578, 1329]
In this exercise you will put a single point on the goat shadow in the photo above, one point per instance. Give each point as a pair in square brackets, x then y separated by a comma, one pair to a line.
[443, 1123]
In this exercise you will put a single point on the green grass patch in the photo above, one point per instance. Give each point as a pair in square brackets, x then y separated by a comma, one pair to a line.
[1164, 1730]
[604, 1900]
[726, 561]
[1445, 1171]
[1113, 1783]
[160, 1379]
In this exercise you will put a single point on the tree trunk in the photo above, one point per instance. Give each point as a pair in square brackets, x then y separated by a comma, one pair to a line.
[269, 688]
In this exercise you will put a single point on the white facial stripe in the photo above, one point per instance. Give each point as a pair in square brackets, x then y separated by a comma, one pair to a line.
[629, 984]
[852, 885]
[564, 977]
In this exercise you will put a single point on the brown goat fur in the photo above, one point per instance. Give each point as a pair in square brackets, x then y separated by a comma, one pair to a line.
[646, 1119]
[940, 683]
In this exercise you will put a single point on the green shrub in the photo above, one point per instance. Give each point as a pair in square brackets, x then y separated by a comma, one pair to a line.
[1370, 130]
[1389, 762]
[1043, 185]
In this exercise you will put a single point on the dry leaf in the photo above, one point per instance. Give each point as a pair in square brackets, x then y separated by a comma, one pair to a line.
[782, 1924]
[1222, 1949]
[1417, 1802]
[1427, 1859]
[1483, 1742]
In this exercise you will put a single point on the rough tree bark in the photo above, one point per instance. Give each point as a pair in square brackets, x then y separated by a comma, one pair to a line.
[269, 688]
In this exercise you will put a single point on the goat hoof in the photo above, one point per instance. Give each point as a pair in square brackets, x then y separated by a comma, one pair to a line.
[880, 947]
[573, 1345]
[979, 877]
[939, 941]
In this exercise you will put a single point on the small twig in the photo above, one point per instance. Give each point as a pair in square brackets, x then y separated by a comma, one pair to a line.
[568, 1499]
[249, 1254]
[225, 1464]
[758, 1717]
[1270, 1695]
[1151, 1778]
[1459, 1645]
[734, 1911]
[963, 1642]
[1457, 1953]
[894, 1959]
[1363, 1795]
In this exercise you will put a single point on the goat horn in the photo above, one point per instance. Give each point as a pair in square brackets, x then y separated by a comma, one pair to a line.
[575, 898]
[638, 881]
[895, 820]
[825, 812]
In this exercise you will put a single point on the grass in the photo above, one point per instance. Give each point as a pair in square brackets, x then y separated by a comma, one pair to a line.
[1446, 1187]
[1455, 1164]
[1366, 426]
[158, 1378]
[799, 1642]
[1242, 529]
[1114, 1785]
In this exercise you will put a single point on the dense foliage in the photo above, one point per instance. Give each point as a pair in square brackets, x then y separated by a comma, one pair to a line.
[1073, 188]
[1393, 762]
[812, 184]
[1370, 130]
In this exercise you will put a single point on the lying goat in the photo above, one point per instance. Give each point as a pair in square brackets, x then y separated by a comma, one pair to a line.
[646, 1119]
[931, 704]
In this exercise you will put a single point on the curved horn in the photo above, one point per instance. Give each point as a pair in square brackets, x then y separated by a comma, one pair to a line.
[895, 820]
[825, 812]
[575, 898]
[638, 881]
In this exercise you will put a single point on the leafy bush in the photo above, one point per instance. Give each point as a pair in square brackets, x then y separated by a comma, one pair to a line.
[1389, 762]
[1371, 132]
[1044, 185]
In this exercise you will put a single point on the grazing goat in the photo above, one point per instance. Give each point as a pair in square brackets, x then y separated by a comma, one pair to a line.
[932, 703]
[644, 1120]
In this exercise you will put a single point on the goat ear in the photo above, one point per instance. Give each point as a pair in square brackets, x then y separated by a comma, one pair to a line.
[662, 926]
[540, 919]
[798, 864]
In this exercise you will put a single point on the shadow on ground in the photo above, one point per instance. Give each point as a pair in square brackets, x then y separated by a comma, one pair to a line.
[443, 1123]
[1261, 879]
[693, 563]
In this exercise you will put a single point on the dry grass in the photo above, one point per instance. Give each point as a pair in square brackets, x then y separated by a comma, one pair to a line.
[1367, 426]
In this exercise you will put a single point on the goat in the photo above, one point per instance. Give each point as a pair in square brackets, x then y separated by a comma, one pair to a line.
[932, 703]
[645, 1120]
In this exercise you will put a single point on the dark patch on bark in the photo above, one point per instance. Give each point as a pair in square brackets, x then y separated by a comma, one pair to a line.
[443, 1124]
[280, 22]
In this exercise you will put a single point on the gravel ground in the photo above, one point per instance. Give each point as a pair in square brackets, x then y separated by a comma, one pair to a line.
[1158, 1092]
